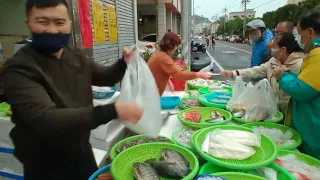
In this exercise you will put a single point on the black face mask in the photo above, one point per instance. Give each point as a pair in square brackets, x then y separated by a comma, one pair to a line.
[49, 43]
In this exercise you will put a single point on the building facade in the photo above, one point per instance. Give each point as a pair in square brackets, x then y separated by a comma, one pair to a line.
[250, 13]
[159, 16]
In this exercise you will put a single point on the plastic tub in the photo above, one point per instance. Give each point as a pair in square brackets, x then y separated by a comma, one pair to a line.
[169, 102]
[104, 169]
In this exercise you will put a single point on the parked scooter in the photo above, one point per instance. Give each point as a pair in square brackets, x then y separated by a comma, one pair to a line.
[196, 46]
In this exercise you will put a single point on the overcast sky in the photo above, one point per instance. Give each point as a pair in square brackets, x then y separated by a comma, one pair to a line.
[210, 8]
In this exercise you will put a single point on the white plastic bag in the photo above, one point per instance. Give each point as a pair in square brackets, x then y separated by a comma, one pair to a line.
[237, 90]
[259, 102]
[138, 85]
[223, 146]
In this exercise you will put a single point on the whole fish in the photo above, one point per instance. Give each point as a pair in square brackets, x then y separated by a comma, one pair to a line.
[175, 157]
[166, 169]
[144, 171]
[215, 117]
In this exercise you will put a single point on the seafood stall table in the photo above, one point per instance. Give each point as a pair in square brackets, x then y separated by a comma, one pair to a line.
[172, 122]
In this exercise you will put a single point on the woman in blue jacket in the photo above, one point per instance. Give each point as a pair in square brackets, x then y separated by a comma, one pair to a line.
[304, 88]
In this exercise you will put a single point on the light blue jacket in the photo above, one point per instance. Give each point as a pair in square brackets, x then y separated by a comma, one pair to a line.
[259, 49]
[305, 111]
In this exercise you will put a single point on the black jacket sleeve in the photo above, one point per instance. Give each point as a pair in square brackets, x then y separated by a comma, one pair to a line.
[108, 76]
[30, 102]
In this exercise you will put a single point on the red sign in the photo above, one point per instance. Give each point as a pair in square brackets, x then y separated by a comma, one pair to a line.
[85, 24]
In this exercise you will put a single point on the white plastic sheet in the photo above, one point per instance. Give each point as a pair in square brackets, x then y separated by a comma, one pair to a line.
[138, 85]
[231, 144]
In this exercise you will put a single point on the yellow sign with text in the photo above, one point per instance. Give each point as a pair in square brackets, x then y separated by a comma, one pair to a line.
[112, 23]
[98, 22]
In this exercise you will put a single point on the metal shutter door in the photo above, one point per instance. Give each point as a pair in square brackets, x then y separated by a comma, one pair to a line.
[107, 53]
[125, 23]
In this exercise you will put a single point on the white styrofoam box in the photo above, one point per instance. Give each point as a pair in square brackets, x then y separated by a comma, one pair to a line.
[100, 157]
[5, 127]
[115, 134]
[10, 167]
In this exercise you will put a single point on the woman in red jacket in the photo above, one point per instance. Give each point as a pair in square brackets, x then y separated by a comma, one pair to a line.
[163, 67]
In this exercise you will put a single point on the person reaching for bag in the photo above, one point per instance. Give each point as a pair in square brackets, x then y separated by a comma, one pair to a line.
[287, 52]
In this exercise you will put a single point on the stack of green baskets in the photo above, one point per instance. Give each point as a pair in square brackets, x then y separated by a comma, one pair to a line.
[205, 115]
[113, 152]
[278, 118]
[122, 165]
[296, 136]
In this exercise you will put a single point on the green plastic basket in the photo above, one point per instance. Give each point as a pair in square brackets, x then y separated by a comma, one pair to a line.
[296, 136]
[6, 108]
[210, 168]
[189, 94]
[205, 114]
[174, 135]
[185, 107]
[302, 157]
[198, 87]
[206, 103]
[238, 176]
[264, 156]
[113, 152]
[205, 90]
[279, 117]
[121, 167]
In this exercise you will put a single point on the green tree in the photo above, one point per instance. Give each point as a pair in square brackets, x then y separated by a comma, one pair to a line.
[290, 12]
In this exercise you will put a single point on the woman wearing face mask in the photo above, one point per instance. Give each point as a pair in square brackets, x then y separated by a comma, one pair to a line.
[163, 67]
[304, 87]
[285, 51]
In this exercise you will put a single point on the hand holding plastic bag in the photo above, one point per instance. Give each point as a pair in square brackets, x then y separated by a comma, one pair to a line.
[138, 85]
[237, 90]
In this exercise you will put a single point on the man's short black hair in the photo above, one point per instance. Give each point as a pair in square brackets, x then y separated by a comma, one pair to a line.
[311, 19]
[44, 4]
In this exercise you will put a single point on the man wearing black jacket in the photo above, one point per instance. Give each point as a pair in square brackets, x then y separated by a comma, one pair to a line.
[49, 88]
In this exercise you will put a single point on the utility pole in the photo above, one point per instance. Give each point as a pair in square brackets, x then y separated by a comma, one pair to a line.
[225, 10]
[245, 2]
[193, 20]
